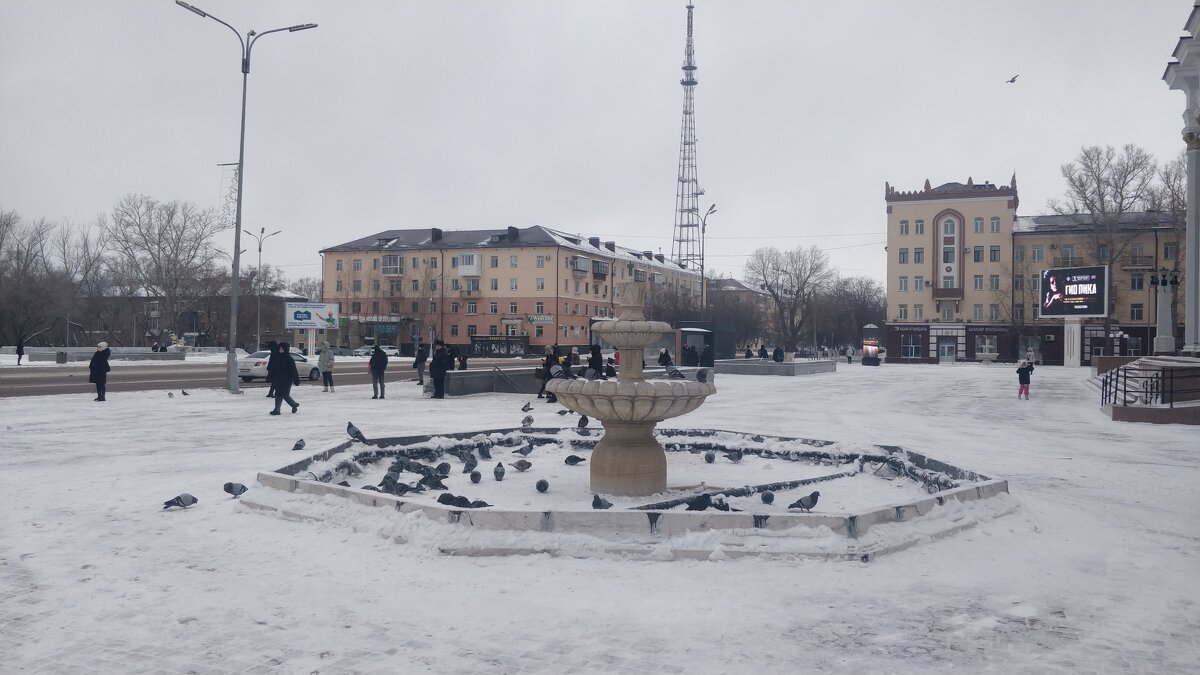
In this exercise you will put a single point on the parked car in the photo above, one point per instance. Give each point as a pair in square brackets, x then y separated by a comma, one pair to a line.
[390, 350]
[364, 350]
[338, 350]
[254, 366]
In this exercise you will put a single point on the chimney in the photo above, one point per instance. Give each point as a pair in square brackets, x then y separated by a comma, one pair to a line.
[648, 255]
[435, 234]
[594, 241]
[611, 245]
[513, 233]
[659, 257]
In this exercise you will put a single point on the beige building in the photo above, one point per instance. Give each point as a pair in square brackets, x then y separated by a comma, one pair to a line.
[499, 291]
[964, 274]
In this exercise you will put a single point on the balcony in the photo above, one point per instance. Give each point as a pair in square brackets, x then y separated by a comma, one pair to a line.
[1142, 261]
[947, 293]
[599, 268]
[580, 265]
[1073, 261]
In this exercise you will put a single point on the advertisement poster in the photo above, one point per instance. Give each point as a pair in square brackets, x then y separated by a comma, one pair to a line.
[305, 315]
[1074, 292]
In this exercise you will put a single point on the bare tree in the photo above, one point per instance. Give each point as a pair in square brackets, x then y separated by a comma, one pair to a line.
[667, 302]
[792, 279]
[846, 305]
[308, 287]
[733, 309]
[34, 292]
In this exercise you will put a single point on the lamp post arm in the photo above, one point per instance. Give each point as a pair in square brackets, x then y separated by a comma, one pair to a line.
[255, 38]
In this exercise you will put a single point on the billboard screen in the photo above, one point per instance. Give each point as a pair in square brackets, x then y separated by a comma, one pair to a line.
[1074, 292]
[304, 315]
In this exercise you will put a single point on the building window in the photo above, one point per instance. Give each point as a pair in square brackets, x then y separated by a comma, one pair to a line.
[902, 312]
[919, 227]
[433, 263]
[1018, 313]
[338, 285]
[1136, 281]
[356, 308]
[995, 225]
[512, 308]
[947, 314]
[472, 308]
[993, 254]
[454, 330]
[538, 332]
[1018, 282]
[510, 330]
[375, 285]
[512, 261]
[494, 283]
[1137, 249]
[1018, 254]
[919, 312]
[979, 226]
[539, 308]
[1068, 253]
[374, 263]
[575, 309]
[918, 283]
[993, 312]
[492, 330]
[375, 307]
[949, 227]
[512, 284]
[1102, 252]
[910, 345]
[541, 261]
[994, 282]
[1035, 282]
[416, 284]
[918, 256]
[977, 254]
[432, 307]
[338, 264]
[948, 254]
[904, 227]
[414, 307]
[566, 285]
[472, 329]
[1135, 312]
[356, 286]
[357, 265]
[903, 256]
[1039, 253]
[494, 262]
[391, 264]
[455, 285]
[493, 307]
[415, 263]
[472, 285]
[1170, 250]
[947, 281]
[903, 284]
[540, 284]
[454, 308]
[977, 312]
[977, 282]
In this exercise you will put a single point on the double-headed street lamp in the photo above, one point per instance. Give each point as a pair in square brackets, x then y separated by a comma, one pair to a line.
[260, 237]
[712, 208]
[247, 45]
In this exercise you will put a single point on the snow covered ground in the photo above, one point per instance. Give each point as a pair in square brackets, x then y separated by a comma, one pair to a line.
[1096, 571]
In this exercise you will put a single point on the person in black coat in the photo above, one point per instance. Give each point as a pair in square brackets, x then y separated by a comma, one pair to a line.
[762, 352]
[777, 357]
[20, 348]
[419, 362]
[595, 363]
[283, 374]
[439, 365]
[749, 352]
[377, 366]
[706, 357]
[664, 358]
[272, 346]
[549, 362]
[1024, 370]
[690, 357]
[99, 370]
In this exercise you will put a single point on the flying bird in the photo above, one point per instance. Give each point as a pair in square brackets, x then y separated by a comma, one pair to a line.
[599, 502]
[523, 450]
[236, 489]
[498, 472]
[355, 433]
[583, 421]
[526, 407]
[805, 503]
[1014, 79]
[299, 445]
[182, 501]
[184, 392]
[542, 485]
[521, 464]
[572, 460]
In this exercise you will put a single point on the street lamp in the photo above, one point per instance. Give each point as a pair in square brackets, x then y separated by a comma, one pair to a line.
[712, 208]
[260, 237]
[1164, 330]
[247, 45]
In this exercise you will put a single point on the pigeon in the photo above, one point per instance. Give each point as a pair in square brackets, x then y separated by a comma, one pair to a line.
[434, 482]
[446, 498]
[484, 452]
[702, 375]
[184, 392]
[599, 502]
[299, 445]
[710, 457]
[462, 502]
[170, 394]
[527, 421]
[355, 433]
[521, 464]
[182, 501]
[526, 408]
[767, 497]
[475, 476]
[583, 422]
[444, 468]
[372, 488]
[565, 411]
[572, 460]
[805, 503]
[470, 465]
[236, 489]
[675, 374]
[1013, 80]
[734, 455]
[700, 503]
[498, 472]
[542, 485]
[524, 450]
[344, 483]
[479, 504]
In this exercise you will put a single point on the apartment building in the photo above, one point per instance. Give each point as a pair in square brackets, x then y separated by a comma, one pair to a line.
[964, 275]
[495, 291]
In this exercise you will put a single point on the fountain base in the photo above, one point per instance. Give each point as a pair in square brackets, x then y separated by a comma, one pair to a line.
[628, 460]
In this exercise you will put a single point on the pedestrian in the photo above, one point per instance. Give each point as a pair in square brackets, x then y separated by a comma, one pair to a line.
[706, 356]
[99, 370]
[272, 347]
[595, 364]
[849, 354]
[762, 352]
[609, 369]
[377, 365]
[749, 352]
[777, 355]
[20, 348]
[325, 364]
[549, 362]
[439, 365]
[283, 374]
[1024, 370]
[690, 357]
[1029, 355]
[574, 356]
[419, 362]
[462, 359]
[664, 358]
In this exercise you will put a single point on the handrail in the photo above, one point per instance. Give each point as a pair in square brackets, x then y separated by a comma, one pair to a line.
[1149, 385]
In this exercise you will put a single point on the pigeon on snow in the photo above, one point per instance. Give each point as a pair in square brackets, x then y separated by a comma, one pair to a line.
[484, 452]
[299, 445]
[443, 468]
[734, 455]
[355, 433]
[767, 497]
[521, 464]
[675, 374]
[542, 485]
[170, 394]
[182, 501]
[184, 392]
[710, 457]
[526, 407]
[702, 375]
[475, 476]
[470, 464]
[599, 502]
[700, 503]
[527, 421]
[523, 450]
[572, 460]
[498, 472]
[566, 411]
[805, 503]
[236, 489]
[583, 421]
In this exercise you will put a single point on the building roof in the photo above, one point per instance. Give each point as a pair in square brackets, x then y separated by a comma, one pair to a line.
[1083, 222]
[400, 241]
[968, 190]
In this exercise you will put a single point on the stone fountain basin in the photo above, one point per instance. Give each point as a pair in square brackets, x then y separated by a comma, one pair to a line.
[652, 401]
[631, 334]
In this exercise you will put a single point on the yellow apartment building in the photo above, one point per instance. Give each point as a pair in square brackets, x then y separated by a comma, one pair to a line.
[509, 291]
[964, 275]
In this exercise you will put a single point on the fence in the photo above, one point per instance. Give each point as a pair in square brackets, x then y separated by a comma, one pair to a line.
[1149, 385]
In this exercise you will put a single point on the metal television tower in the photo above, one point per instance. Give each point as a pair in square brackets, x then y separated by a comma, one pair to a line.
[687, 246]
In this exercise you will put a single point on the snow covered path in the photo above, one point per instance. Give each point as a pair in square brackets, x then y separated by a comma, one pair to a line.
[1097, 571]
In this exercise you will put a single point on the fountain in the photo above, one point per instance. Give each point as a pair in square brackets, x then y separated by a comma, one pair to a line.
[628, 460]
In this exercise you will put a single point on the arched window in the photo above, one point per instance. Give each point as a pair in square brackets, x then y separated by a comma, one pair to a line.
[949, 227]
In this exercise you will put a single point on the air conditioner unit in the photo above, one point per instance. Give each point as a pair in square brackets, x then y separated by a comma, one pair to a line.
[1049, 338]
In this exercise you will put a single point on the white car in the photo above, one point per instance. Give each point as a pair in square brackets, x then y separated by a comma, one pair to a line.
[254, 366]
[367, 350]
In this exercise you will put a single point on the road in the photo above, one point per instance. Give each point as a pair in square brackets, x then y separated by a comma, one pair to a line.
[71, 379]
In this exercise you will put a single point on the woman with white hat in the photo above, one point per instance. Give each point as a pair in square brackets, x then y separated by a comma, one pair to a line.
[99, 369]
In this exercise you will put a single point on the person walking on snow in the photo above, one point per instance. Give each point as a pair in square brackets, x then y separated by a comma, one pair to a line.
[20, 348]
[439, 365]
[99, 370]
[325, 364]
[282, 368]
[419, 362]
[377, 366]
[1024, 370]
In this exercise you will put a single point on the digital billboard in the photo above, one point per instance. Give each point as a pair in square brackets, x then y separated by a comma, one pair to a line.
[1078, 292]
[311, 315]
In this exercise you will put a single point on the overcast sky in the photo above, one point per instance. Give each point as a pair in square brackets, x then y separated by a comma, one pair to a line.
[466, 115]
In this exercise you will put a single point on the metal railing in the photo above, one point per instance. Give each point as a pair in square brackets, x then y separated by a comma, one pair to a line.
[1142, 385]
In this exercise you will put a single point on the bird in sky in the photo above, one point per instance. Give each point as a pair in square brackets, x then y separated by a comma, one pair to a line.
[182, 501]
[1013, 80]
[805, 503]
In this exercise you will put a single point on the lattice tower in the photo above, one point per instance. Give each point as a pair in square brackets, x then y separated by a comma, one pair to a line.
[687, 246]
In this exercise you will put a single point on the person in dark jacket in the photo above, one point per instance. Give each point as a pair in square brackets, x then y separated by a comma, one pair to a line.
[664, 358]
[690, 357]
[706, 357]
[762, 352]
[462, 359]
[609, 369]
[99, 370]
[749, 352]
[283, 374]
[20, 349]
[439, 365]
[777, 357]
[550, 361]
[377, 366]
[419, 362]
[1024, 370]
[595, 363]
[272, 347]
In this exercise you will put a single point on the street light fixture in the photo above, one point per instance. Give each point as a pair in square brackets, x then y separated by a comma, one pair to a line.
[712, 208]
[247, 45]
[260, 237]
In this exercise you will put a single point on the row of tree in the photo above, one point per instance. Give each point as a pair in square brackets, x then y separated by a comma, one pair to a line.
[60, 282]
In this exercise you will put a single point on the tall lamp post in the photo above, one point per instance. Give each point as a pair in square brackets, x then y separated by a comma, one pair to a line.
[247, 45]
[260, 237]
[1164, 326]
[712, 208]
